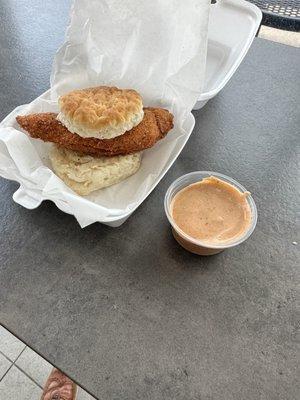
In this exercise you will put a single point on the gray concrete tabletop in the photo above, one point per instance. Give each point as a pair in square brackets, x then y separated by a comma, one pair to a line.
[128, 313]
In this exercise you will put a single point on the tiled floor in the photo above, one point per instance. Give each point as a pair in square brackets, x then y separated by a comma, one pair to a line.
[280, 36]
[22, 371]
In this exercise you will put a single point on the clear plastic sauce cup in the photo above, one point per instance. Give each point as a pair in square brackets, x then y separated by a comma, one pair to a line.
[194, 245]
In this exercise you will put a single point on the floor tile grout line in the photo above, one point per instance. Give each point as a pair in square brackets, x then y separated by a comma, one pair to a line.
[25, 373]
[13, 363]
[44, 358]
[28, 376]
[7, 371]
[6, 357]
[20, 354]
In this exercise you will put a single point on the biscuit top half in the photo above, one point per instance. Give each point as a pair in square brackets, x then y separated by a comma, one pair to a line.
[102, 112]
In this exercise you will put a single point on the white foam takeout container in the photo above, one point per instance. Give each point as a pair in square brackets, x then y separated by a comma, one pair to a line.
[158, 48]
[233, 25]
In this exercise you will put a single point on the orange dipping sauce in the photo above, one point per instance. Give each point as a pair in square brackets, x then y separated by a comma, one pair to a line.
[212, 211]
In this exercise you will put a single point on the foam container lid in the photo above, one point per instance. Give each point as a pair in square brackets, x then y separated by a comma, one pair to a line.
[233, 25]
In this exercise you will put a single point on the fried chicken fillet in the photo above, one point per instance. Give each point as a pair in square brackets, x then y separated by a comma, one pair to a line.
[157, 122]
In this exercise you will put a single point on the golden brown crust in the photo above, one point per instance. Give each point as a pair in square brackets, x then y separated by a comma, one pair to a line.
[101, 107]
[155, 125]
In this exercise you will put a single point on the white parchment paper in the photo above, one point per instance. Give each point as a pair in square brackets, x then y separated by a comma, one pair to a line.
[157, 47]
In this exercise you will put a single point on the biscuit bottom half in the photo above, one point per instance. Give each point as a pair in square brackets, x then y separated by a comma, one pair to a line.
[85, 174]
